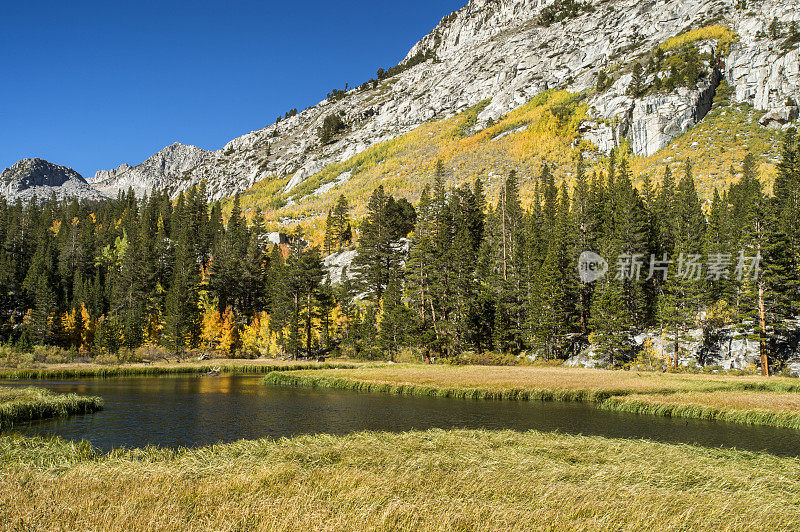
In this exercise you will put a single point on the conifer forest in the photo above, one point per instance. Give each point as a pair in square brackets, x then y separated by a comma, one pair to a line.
[455, 272]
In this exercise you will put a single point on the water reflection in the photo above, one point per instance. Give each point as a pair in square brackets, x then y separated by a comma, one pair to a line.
[174, 411]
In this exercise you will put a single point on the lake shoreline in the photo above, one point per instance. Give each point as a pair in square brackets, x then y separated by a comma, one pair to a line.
[656, 397]
[229, 366]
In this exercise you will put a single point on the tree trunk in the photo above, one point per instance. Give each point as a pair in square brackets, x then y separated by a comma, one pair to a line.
[505, 267]
[677, 349]
[308, 325]
[296, 327]
[762, 321]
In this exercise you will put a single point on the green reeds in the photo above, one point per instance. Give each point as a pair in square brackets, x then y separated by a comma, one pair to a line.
[749, 416]
[132, 371]
[26, 404]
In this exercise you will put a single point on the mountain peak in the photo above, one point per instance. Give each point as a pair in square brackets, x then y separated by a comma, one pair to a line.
[161, 170]
[36, 178]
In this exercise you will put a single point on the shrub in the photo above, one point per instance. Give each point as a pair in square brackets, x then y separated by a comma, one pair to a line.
[723, 35]
[722, 97]
[562, 10]
[487, 359]
[50, 354]
[331, 125]
[151, 353]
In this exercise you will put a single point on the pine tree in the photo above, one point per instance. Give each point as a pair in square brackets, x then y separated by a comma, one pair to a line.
[280, 301]
[386, 222]
[375, 255]
[684, 286]
[304, 273]
[749, 213]
[553, 313]
[340, 224]
[330, 236]
[618, 301]
[326, 303]
[368, 334]
[395, 319]
[780, 290]
[586, 237]
[636, 86]
[511, 289]
[419, 273]
[182, 319]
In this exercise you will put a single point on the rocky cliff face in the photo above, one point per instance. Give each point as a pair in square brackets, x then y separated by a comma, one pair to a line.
[500, 50]
[164, 170]
[38, 179]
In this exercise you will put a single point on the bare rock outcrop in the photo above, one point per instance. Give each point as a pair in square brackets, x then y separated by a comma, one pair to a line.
[37, 179]
[164, 170]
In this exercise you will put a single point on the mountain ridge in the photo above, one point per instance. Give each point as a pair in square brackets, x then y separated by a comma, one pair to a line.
[506, 52]
[499, 50]
[36, 179]
[160, 170]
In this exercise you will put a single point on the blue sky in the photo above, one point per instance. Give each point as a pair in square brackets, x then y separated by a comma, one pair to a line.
[94, 84]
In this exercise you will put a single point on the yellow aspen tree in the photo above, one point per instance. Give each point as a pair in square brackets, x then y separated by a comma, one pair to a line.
[230, 338]
[212, 329]
[89, 329]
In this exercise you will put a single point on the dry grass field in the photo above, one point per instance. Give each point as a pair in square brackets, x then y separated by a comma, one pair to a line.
[434, 480]
[506, 382]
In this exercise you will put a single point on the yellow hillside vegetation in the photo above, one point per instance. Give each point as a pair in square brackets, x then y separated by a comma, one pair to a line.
[543, 130]
[722, 34]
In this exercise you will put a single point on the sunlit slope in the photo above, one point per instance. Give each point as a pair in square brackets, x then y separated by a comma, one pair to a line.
[716, 145]
[543, 130]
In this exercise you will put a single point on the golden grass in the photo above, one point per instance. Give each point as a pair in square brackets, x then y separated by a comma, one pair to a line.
[243, 366]
[789, 402]
[751, 400]
[715, 146]
[561, 382]
[434, 480]
[544, 129]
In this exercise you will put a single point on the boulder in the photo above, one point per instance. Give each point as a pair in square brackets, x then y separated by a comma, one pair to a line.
[779, 117]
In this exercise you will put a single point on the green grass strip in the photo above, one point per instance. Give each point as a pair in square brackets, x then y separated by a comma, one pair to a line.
[607, 399]
[770, 418]
[27, 404]
[110, 372]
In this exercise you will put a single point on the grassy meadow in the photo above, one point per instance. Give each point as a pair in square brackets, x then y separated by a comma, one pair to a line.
[26, 404]
[433, 480]
[747, 399]
[429, 480]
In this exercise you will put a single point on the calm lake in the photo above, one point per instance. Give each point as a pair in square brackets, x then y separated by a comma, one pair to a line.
[191, 411]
